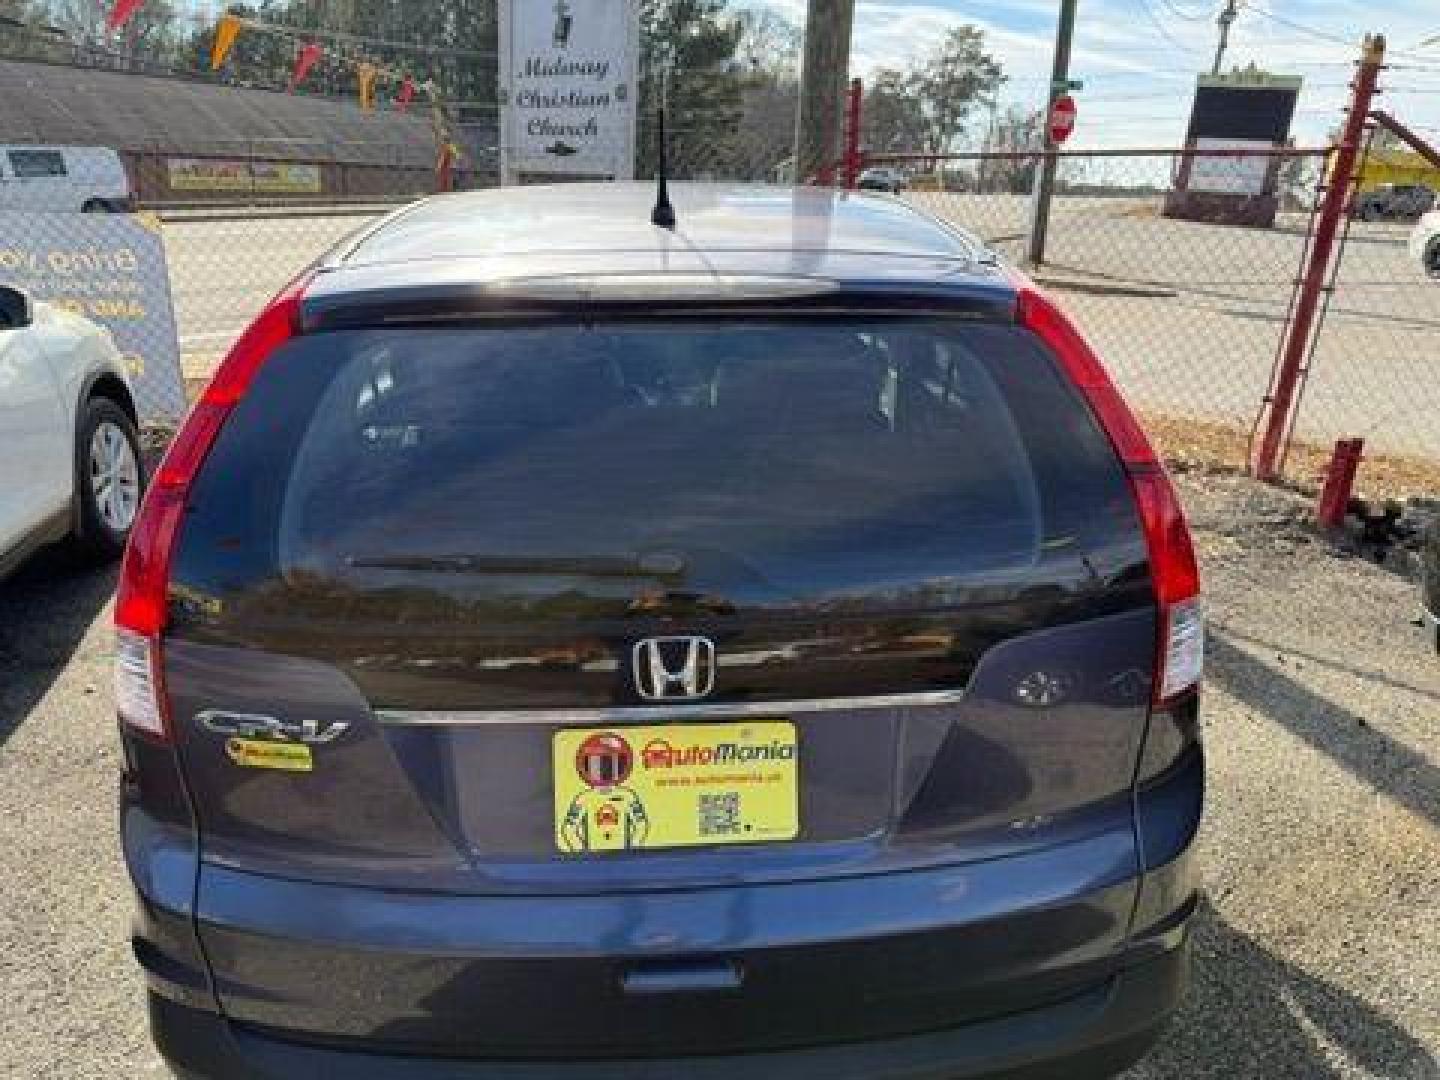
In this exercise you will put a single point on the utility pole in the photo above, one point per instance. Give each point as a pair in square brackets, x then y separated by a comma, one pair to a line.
[1045, 170]
[1223, 20]
[822, 86]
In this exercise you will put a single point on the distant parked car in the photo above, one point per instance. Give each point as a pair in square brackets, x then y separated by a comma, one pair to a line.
[63, 180]
[1400, 202]
[1425, 243]
[69, 449]
[882, 179]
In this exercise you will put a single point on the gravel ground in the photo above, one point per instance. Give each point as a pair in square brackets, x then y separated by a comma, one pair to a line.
[1318, 953]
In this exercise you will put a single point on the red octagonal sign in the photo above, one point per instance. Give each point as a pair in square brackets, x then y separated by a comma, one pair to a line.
[1062, 119]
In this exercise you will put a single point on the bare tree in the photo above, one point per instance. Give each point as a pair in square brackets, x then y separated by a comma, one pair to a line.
[1017, 131]
[769, 43]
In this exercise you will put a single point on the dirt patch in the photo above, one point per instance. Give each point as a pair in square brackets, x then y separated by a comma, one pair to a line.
[1204, 446]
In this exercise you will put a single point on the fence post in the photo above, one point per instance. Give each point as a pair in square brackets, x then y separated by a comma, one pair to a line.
[1339, 483]
[1278, 408]
[853, 106]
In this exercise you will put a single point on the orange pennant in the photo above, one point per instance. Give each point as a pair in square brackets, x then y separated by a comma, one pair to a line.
[226, 31]
[365, 73]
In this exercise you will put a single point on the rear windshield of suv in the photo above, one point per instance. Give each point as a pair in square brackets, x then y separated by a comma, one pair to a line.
[759, 461]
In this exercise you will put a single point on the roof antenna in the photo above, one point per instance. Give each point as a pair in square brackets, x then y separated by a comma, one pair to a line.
[663, 215]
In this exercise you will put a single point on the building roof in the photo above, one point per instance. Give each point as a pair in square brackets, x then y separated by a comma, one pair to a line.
[61, 104]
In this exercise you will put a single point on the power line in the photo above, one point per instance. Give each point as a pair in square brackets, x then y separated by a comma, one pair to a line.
[1321, 35]
[1179, 13]
[1301, 27]
[1159, 27]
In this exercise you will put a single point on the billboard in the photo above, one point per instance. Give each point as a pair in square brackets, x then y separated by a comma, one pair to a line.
[270, 177]
[1229, 170]
[1243, 105]
[111, 269]
[567, 88]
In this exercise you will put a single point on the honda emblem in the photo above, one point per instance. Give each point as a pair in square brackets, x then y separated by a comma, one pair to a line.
[674, 668]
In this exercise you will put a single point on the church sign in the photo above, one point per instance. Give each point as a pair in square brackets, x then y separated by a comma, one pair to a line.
[567, 88]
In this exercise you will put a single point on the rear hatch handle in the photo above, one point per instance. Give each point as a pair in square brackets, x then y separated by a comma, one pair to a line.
[681, 977]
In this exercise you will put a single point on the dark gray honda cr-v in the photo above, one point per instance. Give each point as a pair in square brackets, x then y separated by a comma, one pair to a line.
[558, 645]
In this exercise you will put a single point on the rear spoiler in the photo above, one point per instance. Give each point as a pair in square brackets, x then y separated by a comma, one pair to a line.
[424, 293]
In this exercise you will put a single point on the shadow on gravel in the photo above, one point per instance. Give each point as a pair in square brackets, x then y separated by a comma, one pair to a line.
[1366, 673]
[1390, 767]
[1250, 1013]
[45, 610]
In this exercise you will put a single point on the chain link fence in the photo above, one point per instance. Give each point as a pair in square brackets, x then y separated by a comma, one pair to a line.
[1190, 314]
[1375, 370]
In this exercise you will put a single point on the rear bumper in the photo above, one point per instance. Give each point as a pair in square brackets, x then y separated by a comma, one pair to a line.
[1062, 962]
[1096, 1033]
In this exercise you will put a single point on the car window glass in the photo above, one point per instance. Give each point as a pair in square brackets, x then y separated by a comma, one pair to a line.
[867, 460]
[29, 164]
[804, 453]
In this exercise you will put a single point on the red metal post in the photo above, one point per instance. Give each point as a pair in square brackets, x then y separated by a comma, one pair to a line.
[1276, 416]
[1339, 483]
[853, 159]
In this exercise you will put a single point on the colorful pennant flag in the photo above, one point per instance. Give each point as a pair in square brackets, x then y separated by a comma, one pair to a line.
[406, 94]
[307, 59]
[226, 31]
[121, 12]
[365, 73]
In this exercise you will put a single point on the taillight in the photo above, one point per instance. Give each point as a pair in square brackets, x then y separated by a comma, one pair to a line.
[142, 597]
[1180, 650]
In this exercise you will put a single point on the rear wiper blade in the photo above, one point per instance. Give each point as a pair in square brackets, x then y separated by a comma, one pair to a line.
[659, 564]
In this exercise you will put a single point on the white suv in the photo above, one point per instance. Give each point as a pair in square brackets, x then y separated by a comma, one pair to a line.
[70, 463]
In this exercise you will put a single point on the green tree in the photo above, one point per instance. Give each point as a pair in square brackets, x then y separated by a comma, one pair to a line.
[26, 33]
[154, 32]
[892, 120]
[950, 82]
[695, 41]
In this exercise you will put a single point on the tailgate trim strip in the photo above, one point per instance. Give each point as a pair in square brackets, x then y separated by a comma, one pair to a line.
[617, 714]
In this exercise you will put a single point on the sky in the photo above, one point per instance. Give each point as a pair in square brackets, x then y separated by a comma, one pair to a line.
[1138, 58]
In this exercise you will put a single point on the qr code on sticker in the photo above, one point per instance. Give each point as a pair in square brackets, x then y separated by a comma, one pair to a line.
[719, 813]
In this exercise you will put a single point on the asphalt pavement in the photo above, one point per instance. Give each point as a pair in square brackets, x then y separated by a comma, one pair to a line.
[1317, 952]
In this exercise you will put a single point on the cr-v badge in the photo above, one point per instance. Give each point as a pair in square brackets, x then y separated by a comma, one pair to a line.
[258, 726]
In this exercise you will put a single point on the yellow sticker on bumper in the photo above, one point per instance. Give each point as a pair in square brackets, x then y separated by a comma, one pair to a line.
[675, 785]
[259, 754]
